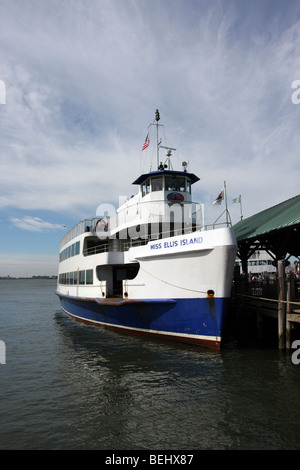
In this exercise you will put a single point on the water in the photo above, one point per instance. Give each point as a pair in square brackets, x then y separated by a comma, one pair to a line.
[66, 385]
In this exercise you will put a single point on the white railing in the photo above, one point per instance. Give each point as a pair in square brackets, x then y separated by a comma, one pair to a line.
[94, 250]
[89, 225]
[126, 245]
[79, 229]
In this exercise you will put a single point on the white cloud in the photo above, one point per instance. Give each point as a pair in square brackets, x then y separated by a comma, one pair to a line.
[35, 224]
[83, 80]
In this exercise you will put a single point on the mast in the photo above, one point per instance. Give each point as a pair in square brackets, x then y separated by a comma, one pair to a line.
[158, 143]
[157, 118]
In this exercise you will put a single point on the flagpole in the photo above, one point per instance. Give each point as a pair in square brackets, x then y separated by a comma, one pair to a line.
[225, 197]
[241, 207]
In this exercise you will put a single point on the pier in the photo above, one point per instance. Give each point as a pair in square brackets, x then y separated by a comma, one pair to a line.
[261, 304]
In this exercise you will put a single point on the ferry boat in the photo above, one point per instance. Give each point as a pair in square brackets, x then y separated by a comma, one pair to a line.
[151, 267]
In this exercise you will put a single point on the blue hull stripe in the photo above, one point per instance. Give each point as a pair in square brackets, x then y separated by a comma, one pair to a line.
[196, 321]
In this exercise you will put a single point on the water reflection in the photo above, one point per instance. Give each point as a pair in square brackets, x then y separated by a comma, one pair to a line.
[131, 393]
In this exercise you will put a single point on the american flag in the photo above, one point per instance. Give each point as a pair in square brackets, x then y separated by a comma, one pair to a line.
[146, 143]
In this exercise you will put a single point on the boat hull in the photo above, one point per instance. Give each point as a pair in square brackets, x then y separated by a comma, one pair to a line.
[196, 321]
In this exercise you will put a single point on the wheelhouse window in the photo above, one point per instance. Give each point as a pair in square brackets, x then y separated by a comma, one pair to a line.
[146, 187]
[157, 183]
[168, 182]
[175, 183]
[188, 185]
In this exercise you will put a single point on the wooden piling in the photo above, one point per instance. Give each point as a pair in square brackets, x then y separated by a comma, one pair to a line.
[290, 294]
[281, 305]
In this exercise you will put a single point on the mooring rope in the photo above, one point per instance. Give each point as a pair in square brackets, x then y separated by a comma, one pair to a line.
[173, 285]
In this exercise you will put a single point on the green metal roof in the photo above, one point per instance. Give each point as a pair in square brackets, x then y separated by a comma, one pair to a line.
[283, 215]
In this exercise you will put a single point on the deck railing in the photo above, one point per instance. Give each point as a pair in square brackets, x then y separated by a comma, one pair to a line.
[89, 225]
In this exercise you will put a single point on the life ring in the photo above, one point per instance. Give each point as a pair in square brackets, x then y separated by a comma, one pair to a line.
[103, 225]
[100, 221]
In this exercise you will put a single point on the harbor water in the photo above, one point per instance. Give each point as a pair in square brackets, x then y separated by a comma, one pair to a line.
[66, 385]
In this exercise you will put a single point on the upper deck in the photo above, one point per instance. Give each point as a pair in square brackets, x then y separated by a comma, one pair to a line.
[158, 191]
[163, 205]
[79, 229]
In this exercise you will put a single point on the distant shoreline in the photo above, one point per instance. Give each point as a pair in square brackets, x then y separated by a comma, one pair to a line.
[27, 277]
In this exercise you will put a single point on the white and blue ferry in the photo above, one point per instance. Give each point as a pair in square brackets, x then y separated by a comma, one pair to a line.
[151, 267]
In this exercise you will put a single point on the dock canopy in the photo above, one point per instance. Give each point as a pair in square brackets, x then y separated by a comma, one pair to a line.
[276, 230]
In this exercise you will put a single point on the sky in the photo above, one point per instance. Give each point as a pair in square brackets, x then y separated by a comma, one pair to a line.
[79, 84]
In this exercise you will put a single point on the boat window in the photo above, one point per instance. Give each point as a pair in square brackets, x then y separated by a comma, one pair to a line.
[156, 183]
[188, 185]
[175, 183]
[70, 251]
[146, 187]
[89, 276]
[81, 277]
[71, 278]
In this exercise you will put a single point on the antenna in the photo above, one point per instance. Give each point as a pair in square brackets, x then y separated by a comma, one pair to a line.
[168, 154]
[158, 142]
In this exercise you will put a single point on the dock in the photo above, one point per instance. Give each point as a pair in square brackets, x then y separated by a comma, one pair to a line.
[264, 303]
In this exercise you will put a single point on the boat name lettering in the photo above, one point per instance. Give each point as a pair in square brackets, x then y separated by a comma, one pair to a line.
[176, 243]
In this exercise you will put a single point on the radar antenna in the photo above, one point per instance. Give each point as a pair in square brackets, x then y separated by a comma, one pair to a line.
[168, 155]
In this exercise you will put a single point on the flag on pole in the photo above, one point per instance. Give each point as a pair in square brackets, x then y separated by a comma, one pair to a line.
[146, 143]
[220, 198]
[239, 200]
